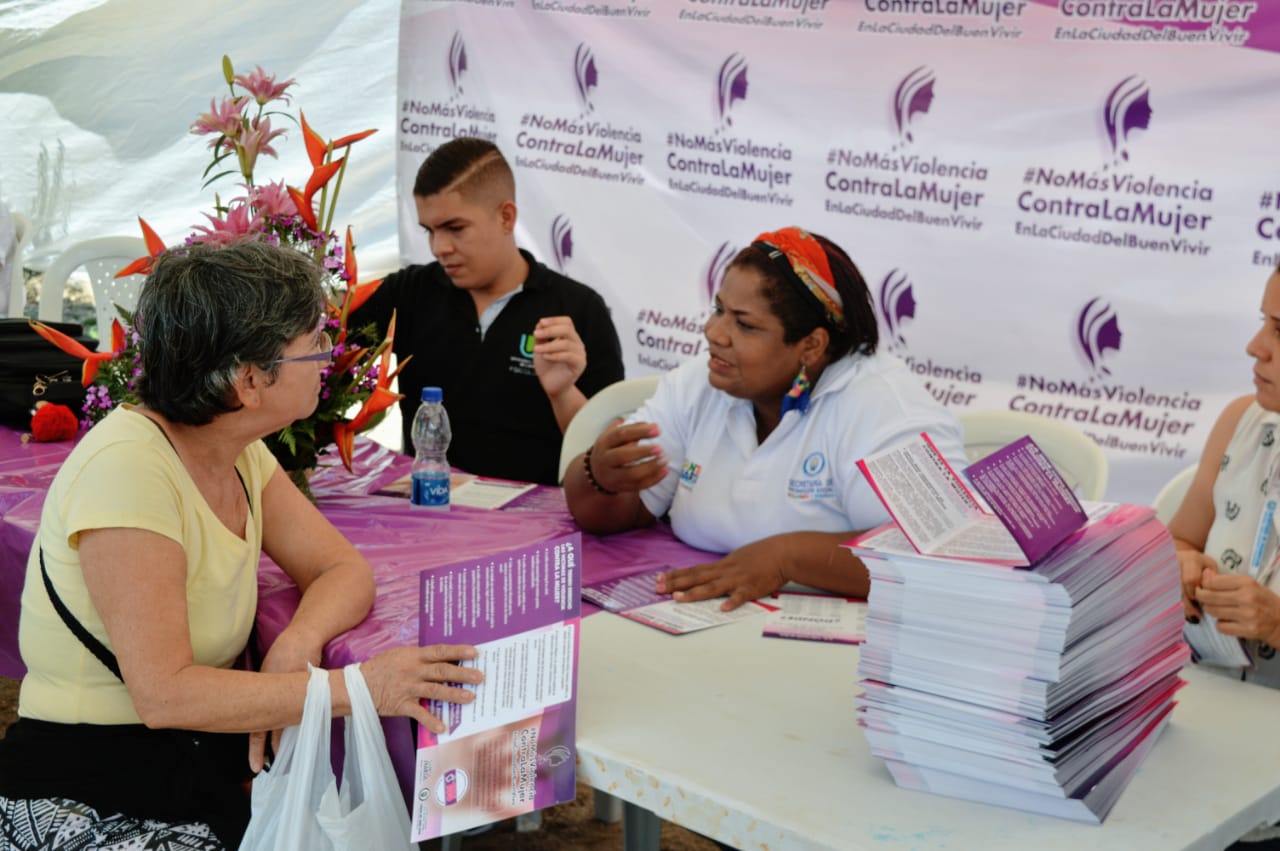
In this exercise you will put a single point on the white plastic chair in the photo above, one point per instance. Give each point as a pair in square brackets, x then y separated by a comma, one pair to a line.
[101, 259]
[616, 400]
[1170, 497]
[12, 264]
[1080, 461]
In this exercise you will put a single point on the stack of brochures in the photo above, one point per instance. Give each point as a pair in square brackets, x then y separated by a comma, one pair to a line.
[1025, 656]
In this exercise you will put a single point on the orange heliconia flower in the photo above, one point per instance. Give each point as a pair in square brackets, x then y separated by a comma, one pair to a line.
[155, 247]
[344, 433]
[92, 360]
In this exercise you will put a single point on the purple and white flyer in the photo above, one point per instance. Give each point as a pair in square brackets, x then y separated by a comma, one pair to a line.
[1029, 496]
[634, 597]
[511, 751]
[1032, 507]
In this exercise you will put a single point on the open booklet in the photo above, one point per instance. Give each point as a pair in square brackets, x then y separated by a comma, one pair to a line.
[634, 597]
[1032, 507]
[807, 615]
[511, 751]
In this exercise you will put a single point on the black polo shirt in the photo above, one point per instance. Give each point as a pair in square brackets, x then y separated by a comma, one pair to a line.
[502, 421]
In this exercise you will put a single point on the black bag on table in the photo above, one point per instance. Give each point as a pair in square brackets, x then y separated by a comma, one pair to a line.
[32, 370]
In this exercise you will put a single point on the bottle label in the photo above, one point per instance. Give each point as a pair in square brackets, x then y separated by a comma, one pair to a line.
[431, 490]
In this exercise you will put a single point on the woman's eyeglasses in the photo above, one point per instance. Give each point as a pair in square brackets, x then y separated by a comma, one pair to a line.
[325, 354]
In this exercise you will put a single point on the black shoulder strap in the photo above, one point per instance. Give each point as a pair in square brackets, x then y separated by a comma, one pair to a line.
[169, 441]
[248, 499]
[93, 645]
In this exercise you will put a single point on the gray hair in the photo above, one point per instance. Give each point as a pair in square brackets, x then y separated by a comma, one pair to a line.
[206, 311]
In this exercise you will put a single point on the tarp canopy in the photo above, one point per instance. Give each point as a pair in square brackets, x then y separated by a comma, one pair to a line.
[98, 97]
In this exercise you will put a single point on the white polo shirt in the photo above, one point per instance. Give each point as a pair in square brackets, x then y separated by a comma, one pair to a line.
[724, 489]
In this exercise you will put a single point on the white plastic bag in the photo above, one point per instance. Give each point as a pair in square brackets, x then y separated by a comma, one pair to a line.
[296, 805]
[374, 814]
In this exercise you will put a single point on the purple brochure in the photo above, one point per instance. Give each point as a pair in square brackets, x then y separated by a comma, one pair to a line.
[511, 750]
[1029, 496]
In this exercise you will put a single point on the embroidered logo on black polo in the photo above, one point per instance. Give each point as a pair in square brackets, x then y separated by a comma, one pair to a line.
[521, 363]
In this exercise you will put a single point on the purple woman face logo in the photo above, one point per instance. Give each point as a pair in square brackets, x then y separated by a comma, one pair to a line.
[561, 241]
[457, 63]
[897, 303]
[731, 86]
[585, 74]
[913, 97]
[715, 270]
[1097, 332]
[1128, 108]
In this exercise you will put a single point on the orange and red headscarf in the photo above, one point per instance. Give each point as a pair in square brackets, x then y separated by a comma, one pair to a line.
[797, 252]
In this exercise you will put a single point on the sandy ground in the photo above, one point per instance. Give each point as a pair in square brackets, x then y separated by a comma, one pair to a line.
[568, 826]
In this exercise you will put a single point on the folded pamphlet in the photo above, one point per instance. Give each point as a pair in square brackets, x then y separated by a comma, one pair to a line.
[634, 597]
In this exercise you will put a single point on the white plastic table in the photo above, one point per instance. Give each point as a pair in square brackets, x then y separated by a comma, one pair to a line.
[752, 741]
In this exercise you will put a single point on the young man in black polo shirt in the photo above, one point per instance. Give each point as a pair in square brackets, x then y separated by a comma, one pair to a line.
[516, 347]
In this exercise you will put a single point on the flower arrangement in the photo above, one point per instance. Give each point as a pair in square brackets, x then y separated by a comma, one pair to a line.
[358, 379]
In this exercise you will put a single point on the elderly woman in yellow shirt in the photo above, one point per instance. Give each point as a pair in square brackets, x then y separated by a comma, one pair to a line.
[142, 584]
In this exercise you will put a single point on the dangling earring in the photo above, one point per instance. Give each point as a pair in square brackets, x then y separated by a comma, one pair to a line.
[797, 397]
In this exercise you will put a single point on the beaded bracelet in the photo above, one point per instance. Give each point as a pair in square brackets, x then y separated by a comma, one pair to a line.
[586, 466]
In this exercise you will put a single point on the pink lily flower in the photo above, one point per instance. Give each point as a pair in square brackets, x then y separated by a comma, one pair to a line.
[272, 201]
[238, 223]
[263, 86]
[254, 141]
[223, 119]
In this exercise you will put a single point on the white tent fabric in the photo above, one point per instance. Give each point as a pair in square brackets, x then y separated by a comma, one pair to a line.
[1011, 303]
[97, 98]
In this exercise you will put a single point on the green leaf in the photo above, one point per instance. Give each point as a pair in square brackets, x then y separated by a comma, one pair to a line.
[217, 176]
[219, 157]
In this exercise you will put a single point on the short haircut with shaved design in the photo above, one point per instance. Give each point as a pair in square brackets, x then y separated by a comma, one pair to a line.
[474, 168]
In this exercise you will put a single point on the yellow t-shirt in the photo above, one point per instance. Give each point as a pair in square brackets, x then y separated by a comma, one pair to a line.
[125, 474]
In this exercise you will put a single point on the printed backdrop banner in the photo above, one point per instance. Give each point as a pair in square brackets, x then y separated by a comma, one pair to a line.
[1065, 207]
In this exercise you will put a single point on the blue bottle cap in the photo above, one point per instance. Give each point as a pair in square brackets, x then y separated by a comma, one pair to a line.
[432, 394]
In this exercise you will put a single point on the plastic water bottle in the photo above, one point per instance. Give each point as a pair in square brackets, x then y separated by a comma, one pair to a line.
[431, 436]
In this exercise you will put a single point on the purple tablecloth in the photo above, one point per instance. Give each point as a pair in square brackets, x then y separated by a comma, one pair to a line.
[26, 470]
[398, 540]
[401, 541]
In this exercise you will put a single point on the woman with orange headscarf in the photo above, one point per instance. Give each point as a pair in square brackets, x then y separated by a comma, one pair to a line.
[753, 451]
